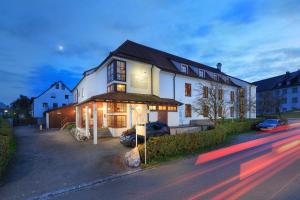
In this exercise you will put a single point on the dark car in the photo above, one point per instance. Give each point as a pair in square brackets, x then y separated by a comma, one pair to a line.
[270, 124]
[153, 129]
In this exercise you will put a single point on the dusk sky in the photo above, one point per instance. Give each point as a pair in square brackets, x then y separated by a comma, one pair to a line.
[43, 41]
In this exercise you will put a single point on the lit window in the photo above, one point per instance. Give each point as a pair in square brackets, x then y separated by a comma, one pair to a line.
[162, 107]
[116, 107]
[205, 110]
[121, 88]
[188, 89]
[205, 92]
[116, 121]
[152, 107]
[116, 71]
[184, 68]
[172, 108]
[188, 110]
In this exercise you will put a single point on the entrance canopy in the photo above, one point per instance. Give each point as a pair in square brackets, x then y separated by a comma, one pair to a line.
[133, 98]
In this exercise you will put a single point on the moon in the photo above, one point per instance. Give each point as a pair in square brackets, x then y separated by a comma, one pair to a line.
[60, 47]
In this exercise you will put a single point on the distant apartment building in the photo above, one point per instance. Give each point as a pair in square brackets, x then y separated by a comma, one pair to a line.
[57, 95]
[283, 89]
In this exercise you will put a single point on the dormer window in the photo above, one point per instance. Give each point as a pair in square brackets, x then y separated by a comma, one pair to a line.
[215, 77]
[184, 68]
[57, 86]
[201, 73]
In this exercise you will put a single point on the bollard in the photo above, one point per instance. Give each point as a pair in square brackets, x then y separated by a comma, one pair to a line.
[41, 127]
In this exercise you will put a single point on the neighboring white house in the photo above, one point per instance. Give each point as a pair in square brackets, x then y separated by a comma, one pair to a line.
[57, 95]
[136, 84]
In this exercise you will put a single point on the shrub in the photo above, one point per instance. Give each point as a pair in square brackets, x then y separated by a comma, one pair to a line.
[169, 146]
[71, 126]
[7, 144]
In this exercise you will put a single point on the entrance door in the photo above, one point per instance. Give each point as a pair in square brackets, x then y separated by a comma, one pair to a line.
[100, 118]
[163, 116]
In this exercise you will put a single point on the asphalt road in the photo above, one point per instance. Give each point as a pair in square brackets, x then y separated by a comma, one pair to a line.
[51, 160]
[265, 168]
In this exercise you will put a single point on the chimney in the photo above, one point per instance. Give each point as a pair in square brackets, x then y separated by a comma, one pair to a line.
[219, 66]
[287, 73]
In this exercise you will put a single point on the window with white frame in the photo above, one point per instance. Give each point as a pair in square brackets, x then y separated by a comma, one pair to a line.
[184, 68]
[201, 73]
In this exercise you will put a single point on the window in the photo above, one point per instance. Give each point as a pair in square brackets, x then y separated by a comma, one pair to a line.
[172, 108]
[116, 121]
[232, 111]
[116, 107]
[295, 90]
[121, 71]
[116, 71]
[63, 87]
[53, 96]
[205, 110]
[215, 77]
[201, 73]
[284, 91]
[277, 92]
[66, 96]
[55, 105]
[57, 86]
[162, 107]
[232, 96]
[205, 92]
[110, 72]
[284, 100]
[45, 105]
[63, 104]
[220, 94]
[220, 111]
[294, 100]
[184, 68]
[188, 89]
[116, 87]
[188, 110]
[152, 108]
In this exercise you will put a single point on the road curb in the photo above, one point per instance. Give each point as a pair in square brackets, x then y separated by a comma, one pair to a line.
[83, 186]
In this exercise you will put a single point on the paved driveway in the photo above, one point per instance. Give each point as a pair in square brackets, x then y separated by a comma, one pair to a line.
[47, 161]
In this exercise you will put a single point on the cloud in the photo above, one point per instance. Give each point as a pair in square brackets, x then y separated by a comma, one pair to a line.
[43, 76]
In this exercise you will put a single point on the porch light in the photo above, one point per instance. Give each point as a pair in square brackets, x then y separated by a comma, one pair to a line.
[138, 109]
[5, 111]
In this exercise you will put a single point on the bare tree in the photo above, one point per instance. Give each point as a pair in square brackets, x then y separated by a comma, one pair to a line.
[265, 104]
[210, 102]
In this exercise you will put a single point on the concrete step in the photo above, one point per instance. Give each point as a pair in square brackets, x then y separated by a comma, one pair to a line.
[102, 132]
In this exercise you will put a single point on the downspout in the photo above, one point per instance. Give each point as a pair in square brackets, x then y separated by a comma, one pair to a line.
[174, 86]
[152, 79]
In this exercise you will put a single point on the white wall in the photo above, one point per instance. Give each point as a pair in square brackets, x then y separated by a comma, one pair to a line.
[60, 99]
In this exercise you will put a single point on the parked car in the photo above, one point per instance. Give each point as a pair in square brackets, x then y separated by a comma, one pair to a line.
[153, 129]
[269, 124]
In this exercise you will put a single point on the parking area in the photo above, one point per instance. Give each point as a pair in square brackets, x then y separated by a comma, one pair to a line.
[51, 160]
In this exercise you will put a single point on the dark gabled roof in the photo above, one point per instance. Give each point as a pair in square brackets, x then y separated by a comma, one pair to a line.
[134, 51]
[132, 98]
[277, 81]
[161, 59]
[53, 84]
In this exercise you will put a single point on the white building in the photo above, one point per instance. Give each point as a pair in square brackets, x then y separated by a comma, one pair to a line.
[57, 95]
[135, 80]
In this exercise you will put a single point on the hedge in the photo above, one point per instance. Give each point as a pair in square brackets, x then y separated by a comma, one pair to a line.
[7, 144]
[170, 146]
